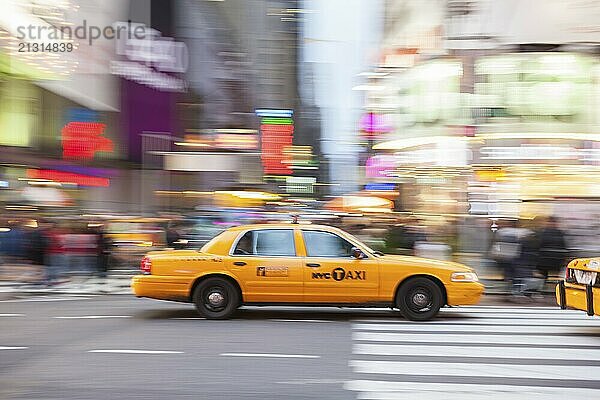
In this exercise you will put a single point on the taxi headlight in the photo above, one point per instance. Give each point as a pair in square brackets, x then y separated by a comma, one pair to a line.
[464, 277]
[594, 264]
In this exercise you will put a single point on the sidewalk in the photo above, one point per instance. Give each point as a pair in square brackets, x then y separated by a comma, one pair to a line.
[110, 285]
[26, 279]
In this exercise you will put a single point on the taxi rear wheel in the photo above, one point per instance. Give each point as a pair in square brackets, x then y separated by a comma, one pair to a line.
[216, 298]
[419, 299]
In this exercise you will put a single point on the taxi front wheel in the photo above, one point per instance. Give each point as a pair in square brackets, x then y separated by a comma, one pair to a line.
[419, 299]
[216, 298]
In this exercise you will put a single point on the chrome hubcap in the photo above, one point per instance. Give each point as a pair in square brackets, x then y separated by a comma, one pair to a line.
[215, 298]
[420, 299]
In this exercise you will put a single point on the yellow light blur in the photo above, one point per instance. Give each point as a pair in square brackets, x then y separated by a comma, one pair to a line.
[31, 224]
[189, 144]
[249, 195]
[407, 143]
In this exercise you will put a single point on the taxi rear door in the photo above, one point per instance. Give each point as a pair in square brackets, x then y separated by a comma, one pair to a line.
[265, 261]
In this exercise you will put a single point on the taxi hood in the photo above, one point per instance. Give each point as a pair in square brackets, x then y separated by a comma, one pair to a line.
[413, 261]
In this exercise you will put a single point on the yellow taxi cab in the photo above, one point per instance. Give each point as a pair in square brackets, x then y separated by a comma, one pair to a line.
[297, 264]
[580, 289]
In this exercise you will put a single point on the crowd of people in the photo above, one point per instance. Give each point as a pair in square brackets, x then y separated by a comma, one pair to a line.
[60, 249]
[528, 256]
[526, 252]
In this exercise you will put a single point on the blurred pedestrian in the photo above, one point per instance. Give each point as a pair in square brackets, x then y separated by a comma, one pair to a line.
[37, 246]
[526, 281]
[15, 243]
[55, 253]
[506, 249]
[553, 248]
[405, 236]
[172, 234]
[174, 237]
[104, 249]
[81, 248]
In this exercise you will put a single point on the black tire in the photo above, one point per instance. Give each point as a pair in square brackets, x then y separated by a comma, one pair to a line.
[419, 299]
[216, 298]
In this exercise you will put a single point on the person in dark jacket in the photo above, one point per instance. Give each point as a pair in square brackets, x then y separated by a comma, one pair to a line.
[524, 278]
[552, 249]
[506, 248]
[37, 244]
[172, 235]
[104, 248]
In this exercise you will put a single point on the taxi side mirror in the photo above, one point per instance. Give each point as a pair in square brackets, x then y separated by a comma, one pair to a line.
[358, 253]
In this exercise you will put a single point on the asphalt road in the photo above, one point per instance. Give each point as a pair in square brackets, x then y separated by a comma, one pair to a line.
[109, 347]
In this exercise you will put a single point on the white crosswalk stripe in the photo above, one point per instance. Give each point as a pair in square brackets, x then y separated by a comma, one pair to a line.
[478, 352]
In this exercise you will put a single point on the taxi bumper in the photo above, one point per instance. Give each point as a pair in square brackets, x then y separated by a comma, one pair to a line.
[464, 293]
[161, 287]
[579, 297]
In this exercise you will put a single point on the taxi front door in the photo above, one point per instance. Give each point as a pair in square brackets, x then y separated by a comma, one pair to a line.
[332, 275]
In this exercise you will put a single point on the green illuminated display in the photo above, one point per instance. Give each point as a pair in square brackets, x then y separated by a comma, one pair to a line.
[277, 121]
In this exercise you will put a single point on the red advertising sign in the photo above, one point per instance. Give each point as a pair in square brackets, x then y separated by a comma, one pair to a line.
[67, 177]
[275, 138]
[81, 140]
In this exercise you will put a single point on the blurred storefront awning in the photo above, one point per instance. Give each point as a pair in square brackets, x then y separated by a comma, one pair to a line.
[360, 203]
[45, 196]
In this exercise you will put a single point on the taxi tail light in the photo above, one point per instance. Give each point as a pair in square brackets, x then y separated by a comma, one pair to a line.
[146, 266]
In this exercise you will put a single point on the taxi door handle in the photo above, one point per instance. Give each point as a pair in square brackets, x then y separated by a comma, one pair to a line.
[313, 265]
[239, 263]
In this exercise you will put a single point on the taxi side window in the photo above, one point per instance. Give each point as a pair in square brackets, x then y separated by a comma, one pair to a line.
[267, 242]
[326, 244]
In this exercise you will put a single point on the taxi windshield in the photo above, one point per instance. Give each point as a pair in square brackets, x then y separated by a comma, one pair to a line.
[362, 245]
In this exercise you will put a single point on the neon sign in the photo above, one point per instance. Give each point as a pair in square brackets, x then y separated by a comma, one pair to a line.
[380, 166]
[275, 113]
[150, 58]
[277, 132]
[81, 140]
[67, 177]
[372, 124]
[275, 138]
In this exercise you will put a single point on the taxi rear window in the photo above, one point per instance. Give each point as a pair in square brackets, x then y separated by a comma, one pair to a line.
[266, 242]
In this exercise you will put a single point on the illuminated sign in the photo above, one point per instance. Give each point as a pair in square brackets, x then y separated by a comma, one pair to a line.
[539, 152]
[276, 113]
[372, 124]
[277, 132]
[275, 138]
[67, 177]
[234, 141]
[81, 140]
[380, 166]
[299, 184]
[150, 58]
[222, 141]
[380, 187]
[531, 152]
[277, 121]
[300, 157]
